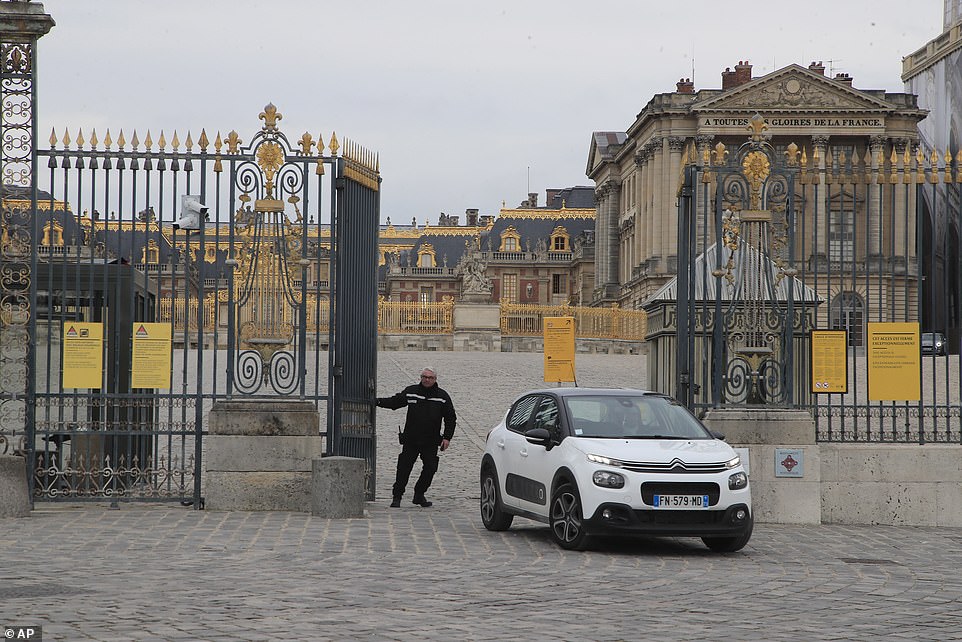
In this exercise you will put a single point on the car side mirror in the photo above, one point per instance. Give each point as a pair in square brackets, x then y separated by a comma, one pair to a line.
[717, 435]
[539, 437]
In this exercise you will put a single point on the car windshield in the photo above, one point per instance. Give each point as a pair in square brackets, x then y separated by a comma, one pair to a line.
[632, 417]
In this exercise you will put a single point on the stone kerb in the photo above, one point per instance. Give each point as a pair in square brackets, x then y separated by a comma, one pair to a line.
[259, 455]
[763, 432]
[14, 496]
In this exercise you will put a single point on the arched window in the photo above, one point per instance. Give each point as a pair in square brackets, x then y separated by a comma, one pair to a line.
[510, 240]
[560, 241]
[151, 253]
[847, 313]
[426, 256]
[53, 234]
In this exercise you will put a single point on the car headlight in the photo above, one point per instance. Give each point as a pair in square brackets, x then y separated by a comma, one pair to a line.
[737, 481]
[733, 463]
[608, 479]
[605, 461]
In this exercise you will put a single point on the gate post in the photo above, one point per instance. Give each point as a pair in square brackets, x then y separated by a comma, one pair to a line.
[21, 25]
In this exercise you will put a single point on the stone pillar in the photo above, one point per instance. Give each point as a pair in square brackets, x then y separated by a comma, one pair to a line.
[874, 213]
[477, 326]
[904, 186]
[22, 24]
[784, 460]
[337, 487]
[676, 145]
[14, 496]
[259, 455]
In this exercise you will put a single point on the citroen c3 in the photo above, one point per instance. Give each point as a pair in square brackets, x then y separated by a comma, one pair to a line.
[591, 461]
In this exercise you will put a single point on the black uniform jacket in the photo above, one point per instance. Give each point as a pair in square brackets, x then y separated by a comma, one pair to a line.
[426, 408]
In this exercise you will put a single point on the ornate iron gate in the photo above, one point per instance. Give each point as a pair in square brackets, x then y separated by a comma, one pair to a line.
[775, 241]
[170, 273]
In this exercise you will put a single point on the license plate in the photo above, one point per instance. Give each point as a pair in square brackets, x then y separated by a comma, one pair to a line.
[680, 501]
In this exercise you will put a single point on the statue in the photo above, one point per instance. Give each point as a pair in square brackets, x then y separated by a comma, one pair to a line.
[473, 278]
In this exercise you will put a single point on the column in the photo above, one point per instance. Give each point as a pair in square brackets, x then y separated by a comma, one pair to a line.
[820, 195]
[675, 146]
[874, 212]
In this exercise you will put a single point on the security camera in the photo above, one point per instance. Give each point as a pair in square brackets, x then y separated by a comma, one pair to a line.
[191, 211]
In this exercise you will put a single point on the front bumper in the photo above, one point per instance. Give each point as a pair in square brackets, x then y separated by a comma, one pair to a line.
[614, 519]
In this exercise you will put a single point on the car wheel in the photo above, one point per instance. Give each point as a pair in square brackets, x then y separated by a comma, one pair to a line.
[566, 520]
[730, 544]
[493, 514]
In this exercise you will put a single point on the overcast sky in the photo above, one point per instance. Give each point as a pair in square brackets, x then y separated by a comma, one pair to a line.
[469, 104]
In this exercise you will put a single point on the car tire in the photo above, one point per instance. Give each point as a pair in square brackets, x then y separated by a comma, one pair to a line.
[730, 544]
[493, 515]
[566, 520]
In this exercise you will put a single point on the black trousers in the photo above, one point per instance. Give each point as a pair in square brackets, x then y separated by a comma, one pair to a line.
[428, 452]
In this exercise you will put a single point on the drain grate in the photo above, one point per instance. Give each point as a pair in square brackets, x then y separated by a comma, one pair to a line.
[861, 560]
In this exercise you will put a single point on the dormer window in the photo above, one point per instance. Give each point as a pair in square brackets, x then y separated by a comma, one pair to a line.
[53, 234]
[560, 240]
[426, 256]
[510, 240]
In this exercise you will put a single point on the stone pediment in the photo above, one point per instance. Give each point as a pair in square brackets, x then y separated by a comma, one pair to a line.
[797, 89]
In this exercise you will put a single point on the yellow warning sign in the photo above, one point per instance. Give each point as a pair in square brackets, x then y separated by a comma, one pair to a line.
[559, 349]
[829, 361]
[83, 355]
[893, 362]
[151, 355]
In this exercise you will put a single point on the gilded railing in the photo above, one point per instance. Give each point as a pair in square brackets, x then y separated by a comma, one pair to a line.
[591, 323]
[412, 317]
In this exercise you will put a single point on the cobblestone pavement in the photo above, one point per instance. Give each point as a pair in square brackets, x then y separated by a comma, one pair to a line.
[163, 572]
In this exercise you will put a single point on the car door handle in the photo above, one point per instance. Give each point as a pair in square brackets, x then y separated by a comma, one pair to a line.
[524, 452]
[501, 443]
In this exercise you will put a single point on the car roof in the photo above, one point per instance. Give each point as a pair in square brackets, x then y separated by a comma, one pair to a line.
[581, 392]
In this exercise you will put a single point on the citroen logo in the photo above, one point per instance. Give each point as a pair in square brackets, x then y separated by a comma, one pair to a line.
[677, 463]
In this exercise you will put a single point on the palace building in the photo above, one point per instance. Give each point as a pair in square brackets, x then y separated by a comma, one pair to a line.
[837, 138]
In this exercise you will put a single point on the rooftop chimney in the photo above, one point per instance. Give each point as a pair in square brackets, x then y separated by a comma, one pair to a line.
[743, 72]
[471, 217]
[845, 79]
[728, 78]
[817, 67]
[741, 75]
[685, 86]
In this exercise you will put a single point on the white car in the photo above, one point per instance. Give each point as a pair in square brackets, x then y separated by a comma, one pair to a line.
[590, 461]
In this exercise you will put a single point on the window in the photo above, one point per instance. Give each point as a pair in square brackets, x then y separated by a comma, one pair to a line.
[53, 234]
[509, 288]
[510, 240]
[519, 415]
[559, 284]
[559, 239]
[151, 253]
[426, 256]
[426, 294]
[846, 314]
[841, 236]
[547, 416]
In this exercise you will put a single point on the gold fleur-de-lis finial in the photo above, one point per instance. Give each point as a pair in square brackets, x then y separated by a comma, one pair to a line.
[233, 142]
[306, 143]
[791, 154]
[720, 154]
[270, 116]
[757, 126]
